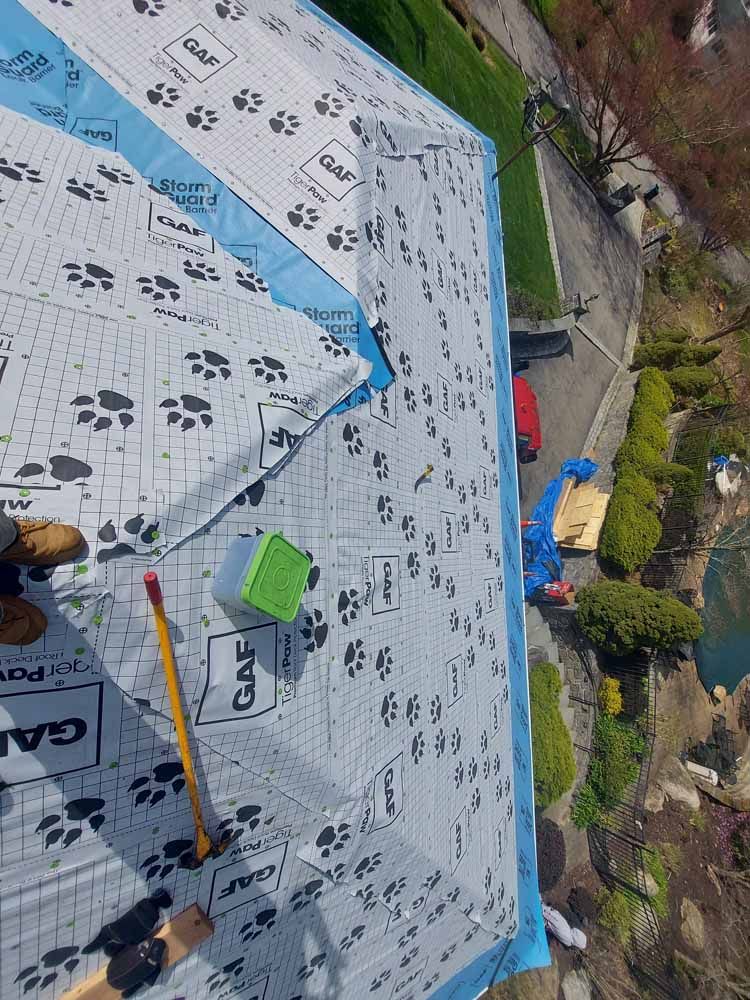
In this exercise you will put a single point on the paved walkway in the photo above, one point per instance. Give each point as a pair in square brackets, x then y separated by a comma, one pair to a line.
[597, 255]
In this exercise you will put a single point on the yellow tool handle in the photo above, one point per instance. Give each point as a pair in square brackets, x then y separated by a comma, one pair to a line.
[203, 841]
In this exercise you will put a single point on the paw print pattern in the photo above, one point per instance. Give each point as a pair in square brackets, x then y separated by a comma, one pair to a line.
[250, 101]
[342, 239]
[400, 218]
[202, 117]
[417, 747]
[86, 191]
[311, 892]
[413, 710]
[458, 774]
[209, 364]
[446, 447]
[385, 509]
[261, 922]
[426, 290]
[133, 525]
[251, 281]
[333, 346]
[76, 811]
[332, 838]
[478, 611]
[352, 937]
[383, 662]
[174, 854]
[436, 709]
[467, 626]
[389, 709]
[150, 7]
[406, 252]
[434, 577]
[455, 741]
[368, 865]
[368, 897]
[461, 493]
[472, 769]
[393, 890]
[20, 172]
[328, 106]
[158, 288]
[268, 369]
[162, 96]
[33, 975]
[450, 588]
[109, 400]
[182, 414]
[380, 464]
[454, 622]
[314, 630]
[351, 435]
[354, 657]
[115, 175]
[199, 271]
[405, 361]
[348, 606]
[430, 426]
[429, 543]
[413, 565]
[90, 276]
[380, 980]
[303, 216]
[464, 523]
[439, 742]
[308, 970]
[168, 773]
[408, 527]
[449, 479]
[445, 349]
[282, 122]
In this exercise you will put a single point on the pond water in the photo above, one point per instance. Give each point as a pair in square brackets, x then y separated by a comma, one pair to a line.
[723, 651]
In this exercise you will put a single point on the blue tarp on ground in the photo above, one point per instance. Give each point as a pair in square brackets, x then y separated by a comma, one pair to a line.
[541, 557]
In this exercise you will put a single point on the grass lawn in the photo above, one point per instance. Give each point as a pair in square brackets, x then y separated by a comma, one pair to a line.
[425, 41]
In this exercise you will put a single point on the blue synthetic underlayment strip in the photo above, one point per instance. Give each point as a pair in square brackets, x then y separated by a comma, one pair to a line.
[528, 950]
[92, 110]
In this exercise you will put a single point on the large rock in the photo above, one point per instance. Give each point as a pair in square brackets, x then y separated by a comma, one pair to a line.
[654, 802]
[539, 984]
[718, 694]
[652, 888]
[693, 931]
[576, 985]
[677, 785]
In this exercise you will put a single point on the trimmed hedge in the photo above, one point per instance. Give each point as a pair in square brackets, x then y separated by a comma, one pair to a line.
[554, 765]
[621, 618]
[668, 354]
[635, 485]
[668, 474]
[690, 381]
[631, 532]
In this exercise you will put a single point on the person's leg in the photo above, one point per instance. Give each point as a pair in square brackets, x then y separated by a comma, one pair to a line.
[8, 531]
[39, 543]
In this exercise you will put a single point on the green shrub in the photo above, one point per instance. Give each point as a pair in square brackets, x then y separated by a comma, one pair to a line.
[615, 764]
[668, 473]
[699, 354]
[630, 533]
[615, 915]
[659, 353]
[655, 867]
[635, 485]
[622, 617]
[678, 336]
[654, 392]
[690, 381]
[554, 764]
[636, 454]
[650, 427]
[586, 811]
[728, 440]
[610, 696]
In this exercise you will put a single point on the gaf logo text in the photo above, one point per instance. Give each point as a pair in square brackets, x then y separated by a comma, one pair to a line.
[335, 169]
[200, 53]
[386, 587]
[247, 879]
[173, 226]
[387, 794]
[50, 732]
[240, 676]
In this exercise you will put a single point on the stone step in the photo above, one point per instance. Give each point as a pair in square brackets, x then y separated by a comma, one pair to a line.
[533, 617]
[539, 635]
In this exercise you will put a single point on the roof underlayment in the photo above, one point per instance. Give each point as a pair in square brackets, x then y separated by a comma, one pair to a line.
[251, 279]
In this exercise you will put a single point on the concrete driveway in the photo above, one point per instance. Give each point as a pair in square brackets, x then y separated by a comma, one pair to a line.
[596, 255]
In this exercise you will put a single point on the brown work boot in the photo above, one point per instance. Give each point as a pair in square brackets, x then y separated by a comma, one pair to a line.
[22, 623]
[43, 544]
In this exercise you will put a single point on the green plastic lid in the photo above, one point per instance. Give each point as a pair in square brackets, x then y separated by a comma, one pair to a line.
[277, 578]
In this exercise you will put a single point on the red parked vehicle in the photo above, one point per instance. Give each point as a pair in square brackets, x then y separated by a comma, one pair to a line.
[528, 427]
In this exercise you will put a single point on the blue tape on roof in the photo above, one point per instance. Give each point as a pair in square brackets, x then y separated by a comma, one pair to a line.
[542, 560]
[62, 90]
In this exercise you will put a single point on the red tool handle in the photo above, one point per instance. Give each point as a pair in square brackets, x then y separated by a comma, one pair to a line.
[153, 588]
